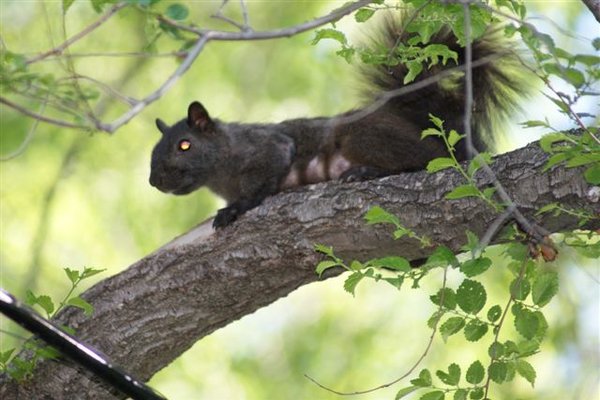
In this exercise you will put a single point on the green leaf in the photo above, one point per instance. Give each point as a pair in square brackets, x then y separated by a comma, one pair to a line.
[351, 282]
[475, 373]
[406, 391]
[177, 11]
[356, 265]
[526, 371]
[66, 4]
[451, 326]
[73, 275]
[474, 330]
[452, 377]
[364, 14]
[78, 302]
[396, 263]
[449, 298]
[329, 33]
[454, 137]
[377, 215]
[436, 121]
[460, 394]
[441, 163]
[472, 242]
[435, 395]
[327, 250]
[587, 59]
[496, 350]
[471, 296]
[430, 132]
[519, 288]
[544, 288]
[475, 266]
[462, 191]
[46, 303]
[547, 141]
[583, 159]
[494, 313]
[476, 394]
[478, 162]
[441, 257]
[497, 371]
[592, 174]
[424, 379]
[526, 323]
[325, 265]
[89, 272]
[5, 356]
[414, 69]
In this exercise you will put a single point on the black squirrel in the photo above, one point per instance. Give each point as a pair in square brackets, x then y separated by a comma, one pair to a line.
[245, 163]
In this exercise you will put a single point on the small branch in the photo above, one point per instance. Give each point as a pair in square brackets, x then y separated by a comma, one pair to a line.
[411, 369]
[62, 47]
[27, 139]
[40, 117]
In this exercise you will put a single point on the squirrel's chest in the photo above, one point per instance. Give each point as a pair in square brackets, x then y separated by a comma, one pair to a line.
[323, 167]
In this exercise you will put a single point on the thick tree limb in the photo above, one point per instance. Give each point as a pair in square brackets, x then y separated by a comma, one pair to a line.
[153, 311]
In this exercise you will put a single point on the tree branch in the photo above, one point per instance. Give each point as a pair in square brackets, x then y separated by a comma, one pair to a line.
[594, 6]
[149, 314]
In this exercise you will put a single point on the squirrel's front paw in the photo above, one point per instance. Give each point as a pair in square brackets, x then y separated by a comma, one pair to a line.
[225, 216]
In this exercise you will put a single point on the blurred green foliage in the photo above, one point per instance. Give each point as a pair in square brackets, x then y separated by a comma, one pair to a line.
[98, 210]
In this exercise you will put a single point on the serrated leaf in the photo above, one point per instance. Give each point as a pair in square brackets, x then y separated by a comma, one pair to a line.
[424, 379]
[496, 350]
[439, 164]
[441, 257]
[30, 298]
[451, 326]
[325, 265]
[396, 263]
[435, 395]
[583, 159]
[526, 323]
[462, 191]
[474, 330]
[592, 174]
[526, 371]
[544, 288]
[472, 242]
[356, 265]
[519, 288]
[73, 275]
[448, 300]
[377, 215]
[46, 303]
[475, 373]
[452, 377]
[89, 272]
[547, 141]
[329, 33]
[494, 313]
[351, 282]
[454, 137]
[414, 69]
[406, 391]
[460, 394]
[78, 302]
[497, 371]
[430, 132]
[177, 11]
[471, 296]
[327, 250]
[475, 266]
[364, 14]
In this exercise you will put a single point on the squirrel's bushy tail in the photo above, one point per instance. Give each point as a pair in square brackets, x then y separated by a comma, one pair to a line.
[498, 82]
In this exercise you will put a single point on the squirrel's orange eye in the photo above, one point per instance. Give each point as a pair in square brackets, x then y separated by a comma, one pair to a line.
[185, 145]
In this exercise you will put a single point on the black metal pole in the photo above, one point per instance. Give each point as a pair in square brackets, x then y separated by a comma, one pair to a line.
[74, 349]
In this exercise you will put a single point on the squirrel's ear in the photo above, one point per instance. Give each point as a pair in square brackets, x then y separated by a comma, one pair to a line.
[162, 127]
[198, 117]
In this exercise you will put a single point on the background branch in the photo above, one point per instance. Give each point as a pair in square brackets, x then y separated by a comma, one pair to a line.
[203, 280]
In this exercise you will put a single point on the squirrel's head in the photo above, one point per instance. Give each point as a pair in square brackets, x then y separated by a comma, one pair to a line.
[188, 152]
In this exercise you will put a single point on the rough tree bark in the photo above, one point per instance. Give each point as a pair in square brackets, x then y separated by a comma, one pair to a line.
[153, 311]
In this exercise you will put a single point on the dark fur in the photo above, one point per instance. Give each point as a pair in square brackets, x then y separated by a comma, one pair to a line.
[244, 163]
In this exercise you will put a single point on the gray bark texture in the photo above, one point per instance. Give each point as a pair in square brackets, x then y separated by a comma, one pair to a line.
[594, 7]
[153, 311]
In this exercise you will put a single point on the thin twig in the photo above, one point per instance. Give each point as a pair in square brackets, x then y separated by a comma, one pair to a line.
[29, 136]
[63, 46]
[42, 118]
[411, 369]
